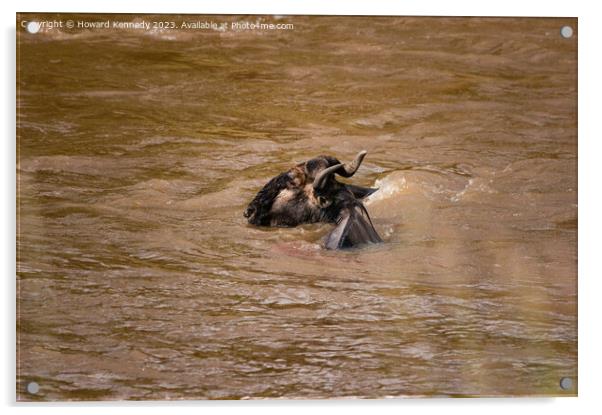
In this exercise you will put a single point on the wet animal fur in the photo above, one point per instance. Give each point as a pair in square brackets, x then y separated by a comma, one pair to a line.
[292, 199]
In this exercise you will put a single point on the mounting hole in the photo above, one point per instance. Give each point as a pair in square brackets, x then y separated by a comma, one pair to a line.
[33, 388]
[32, 27]
[566, 383]
[566, 32]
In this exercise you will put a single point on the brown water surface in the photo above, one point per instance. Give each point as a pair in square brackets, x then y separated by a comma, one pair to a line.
[138, 277]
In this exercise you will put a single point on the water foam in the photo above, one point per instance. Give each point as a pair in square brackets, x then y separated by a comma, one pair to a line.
[387, 187]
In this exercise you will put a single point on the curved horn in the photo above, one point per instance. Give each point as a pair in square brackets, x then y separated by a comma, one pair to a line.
[320, 179]
[350, 169]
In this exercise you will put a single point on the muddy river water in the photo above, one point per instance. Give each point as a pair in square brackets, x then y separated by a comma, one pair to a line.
[138, 150]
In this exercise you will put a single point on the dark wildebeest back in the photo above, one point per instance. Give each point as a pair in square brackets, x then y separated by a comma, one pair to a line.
[309, 193]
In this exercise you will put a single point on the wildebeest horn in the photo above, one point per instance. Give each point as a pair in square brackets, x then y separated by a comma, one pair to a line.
[349, 170]
[320, 179]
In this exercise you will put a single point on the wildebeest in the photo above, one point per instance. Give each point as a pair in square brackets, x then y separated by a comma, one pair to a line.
[309, 193]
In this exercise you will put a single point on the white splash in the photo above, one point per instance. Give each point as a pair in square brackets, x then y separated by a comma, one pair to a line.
[387, 187]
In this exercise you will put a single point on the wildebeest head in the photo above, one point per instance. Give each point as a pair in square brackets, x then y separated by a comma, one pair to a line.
[310, 193]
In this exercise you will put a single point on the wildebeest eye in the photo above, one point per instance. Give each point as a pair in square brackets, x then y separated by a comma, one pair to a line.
[324, 202]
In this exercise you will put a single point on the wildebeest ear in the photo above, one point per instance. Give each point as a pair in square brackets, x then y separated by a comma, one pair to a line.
[354, 227]
[360, 192]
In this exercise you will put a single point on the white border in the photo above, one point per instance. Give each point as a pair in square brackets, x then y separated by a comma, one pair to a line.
[347, 7]
[590, 69]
